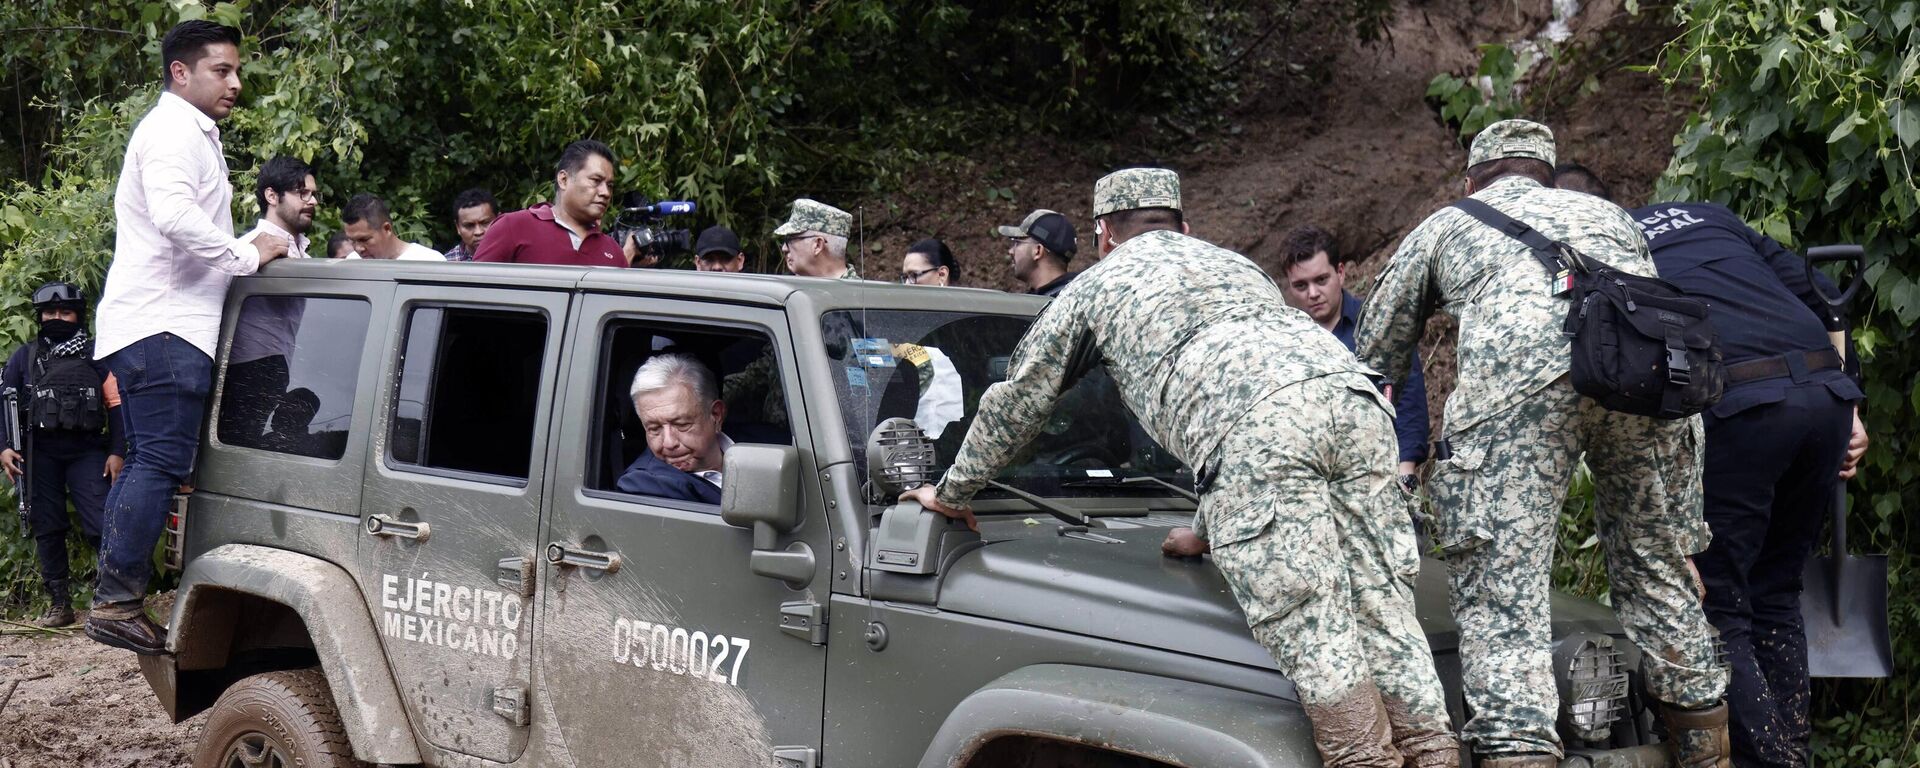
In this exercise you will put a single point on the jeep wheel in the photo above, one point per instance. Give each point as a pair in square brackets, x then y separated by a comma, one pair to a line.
[276, 720]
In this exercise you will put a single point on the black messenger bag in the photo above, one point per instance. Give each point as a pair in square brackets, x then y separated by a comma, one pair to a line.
[1640, 344]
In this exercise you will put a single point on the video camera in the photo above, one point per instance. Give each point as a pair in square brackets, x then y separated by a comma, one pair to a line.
[645, 221]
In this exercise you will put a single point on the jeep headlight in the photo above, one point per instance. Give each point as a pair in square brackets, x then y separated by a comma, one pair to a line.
[1593, 685]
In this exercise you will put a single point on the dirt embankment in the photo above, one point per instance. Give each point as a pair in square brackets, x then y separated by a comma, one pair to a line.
[1331, 133]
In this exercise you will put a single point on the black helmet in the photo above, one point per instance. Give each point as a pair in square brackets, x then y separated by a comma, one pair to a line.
[59, 295]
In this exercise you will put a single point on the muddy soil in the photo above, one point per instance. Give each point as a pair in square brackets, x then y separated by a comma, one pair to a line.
[79, 703]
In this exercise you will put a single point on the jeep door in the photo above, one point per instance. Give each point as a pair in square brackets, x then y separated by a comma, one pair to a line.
[451, 506]
[656, 643]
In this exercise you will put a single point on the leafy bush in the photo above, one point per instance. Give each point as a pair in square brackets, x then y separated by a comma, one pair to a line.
[1809, 124]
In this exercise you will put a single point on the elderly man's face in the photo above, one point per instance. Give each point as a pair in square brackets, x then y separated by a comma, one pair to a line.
[681, 430]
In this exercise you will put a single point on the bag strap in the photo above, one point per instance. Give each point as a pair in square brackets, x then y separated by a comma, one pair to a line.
[1548, 251]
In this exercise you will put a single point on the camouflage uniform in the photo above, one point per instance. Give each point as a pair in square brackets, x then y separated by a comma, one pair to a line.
[1296, 446]
[754, 389]
[1516, 429]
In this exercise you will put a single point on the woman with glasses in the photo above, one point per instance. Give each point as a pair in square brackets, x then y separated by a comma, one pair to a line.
[929, 262]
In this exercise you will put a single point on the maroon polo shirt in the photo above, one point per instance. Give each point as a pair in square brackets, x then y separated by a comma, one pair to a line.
[533, 237]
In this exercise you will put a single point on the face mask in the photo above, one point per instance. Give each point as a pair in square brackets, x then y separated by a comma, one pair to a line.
[58, 331]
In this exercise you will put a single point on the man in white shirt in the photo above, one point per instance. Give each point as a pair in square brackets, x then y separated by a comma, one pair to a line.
[369, 225]
[159, 318]
[263, 335]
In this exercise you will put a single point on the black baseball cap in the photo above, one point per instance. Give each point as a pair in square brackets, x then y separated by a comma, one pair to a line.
[1051, 229]
[716, 238]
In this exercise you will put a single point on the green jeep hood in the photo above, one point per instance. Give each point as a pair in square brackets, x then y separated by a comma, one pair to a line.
[1128, 591]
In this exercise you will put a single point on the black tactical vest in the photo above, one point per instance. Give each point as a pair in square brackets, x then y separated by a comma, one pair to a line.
[66, 393]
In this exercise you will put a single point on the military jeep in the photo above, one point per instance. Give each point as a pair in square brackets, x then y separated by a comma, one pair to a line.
[406, 545]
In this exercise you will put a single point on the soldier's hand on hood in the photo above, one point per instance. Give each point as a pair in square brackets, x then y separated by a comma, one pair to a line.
[925, 495]
[1183, 542]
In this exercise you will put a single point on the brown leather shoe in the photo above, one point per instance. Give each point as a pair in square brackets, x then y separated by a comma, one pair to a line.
[1698, 737]
[1518, 761]
[57, 615]
[138, 634]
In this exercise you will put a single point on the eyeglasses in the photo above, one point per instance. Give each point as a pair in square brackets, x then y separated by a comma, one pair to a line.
[1021, 240]
[788, 243]
[304, 193]
[914, 277]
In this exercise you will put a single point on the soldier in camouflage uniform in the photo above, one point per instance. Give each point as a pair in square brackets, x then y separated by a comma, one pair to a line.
[814, 241]
[1295, 450]
[1515, 428]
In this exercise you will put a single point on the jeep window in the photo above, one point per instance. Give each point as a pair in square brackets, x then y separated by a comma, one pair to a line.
[742, 361]
[932, 367]
[469, 389]
[292, 371]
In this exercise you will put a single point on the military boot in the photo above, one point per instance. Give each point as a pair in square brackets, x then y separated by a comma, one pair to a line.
[1698, 737]
[60, 612]
[1354, 732]
[1517, 761]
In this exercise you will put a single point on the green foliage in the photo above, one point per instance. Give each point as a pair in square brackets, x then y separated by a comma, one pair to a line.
[1810, 123]
[1487, 96]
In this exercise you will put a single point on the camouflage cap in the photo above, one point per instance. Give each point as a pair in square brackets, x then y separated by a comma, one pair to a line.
[1125, 190]
[1512, 138]
[1025, 226]
[815, 216]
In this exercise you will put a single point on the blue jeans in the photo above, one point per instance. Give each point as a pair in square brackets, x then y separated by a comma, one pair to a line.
[164, 382]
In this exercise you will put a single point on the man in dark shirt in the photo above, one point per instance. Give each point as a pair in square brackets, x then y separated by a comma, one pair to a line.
[473, 211]
[1039, 248]
[678, 401]
[1777, 443]
[567, 230]
[64, 392]
[1315, 283]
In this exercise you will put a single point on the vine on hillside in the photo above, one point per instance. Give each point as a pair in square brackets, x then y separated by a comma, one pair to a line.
[1810, 125]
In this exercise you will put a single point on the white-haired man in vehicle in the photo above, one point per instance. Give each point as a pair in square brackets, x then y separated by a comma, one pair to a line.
[678, 401]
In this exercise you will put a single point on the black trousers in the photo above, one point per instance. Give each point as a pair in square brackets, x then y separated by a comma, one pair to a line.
[1769, 481]
[63, 464]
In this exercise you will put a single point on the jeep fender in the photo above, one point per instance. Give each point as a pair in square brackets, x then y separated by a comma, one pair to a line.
[1173, 721]
[326, 599]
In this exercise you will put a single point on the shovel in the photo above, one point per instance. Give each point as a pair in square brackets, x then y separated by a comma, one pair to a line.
[1844, 596]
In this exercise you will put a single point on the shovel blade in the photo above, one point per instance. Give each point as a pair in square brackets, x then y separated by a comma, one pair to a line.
[1847, 618]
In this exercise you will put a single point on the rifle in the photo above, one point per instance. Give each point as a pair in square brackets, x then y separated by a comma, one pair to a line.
[17, 435]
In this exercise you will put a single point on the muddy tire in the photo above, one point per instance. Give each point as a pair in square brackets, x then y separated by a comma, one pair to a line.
[276, 720]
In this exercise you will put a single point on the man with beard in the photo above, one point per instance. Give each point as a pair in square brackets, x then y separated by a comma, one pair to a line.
[263, 336]
[1039, 248]
[567, 230]
[66, 406]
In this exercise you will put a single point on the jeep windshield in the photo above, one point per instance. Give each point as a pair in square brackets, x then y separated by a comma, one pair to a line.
[933, 366]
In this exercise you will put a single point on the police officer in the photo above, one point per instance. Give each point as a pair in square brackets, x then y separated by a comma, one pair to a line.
[1295, 450]
[1513, 431]
[1777, 445]
[74, 443]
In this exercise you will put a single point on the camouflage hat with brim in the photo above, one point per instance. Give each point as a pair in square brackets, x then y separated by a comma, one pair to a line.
[1025, 226]
[1512, 138]
[1133, 188]
[815, 216]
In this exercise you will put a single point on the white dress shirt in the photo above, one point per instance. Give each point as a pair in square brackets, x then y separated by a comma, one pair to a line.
[713, 475]
[413, 252]
[174, 251]
[268, 324]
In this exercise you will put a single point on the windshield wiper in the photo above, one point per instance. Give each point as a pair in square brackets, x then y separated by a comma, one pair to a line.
[1136, 480]
[1069, 515]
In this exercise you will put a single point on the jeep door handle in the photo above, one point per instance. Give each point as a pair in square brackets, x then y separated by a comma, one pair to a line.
[561, 554]
[382, 525]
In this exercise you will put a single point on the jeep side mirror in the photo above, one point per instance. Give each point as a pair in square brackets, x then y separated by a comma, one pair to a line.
[760, 491]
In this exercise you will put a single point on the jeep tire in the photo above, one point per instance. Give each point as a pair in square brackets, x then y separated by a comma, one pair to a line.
[275, 720]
